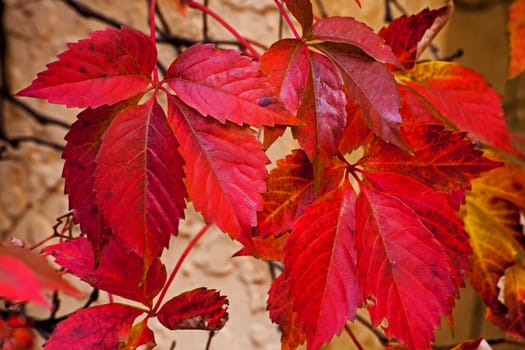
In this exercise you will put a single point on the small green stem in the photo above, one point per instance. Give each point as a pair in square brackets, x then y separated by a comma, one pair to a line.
[176, 269]
[287, 19]
[226, 25]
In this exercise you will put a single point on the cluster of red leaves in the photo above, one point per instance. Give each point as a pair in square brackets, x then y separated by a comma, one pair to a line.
[381, 232]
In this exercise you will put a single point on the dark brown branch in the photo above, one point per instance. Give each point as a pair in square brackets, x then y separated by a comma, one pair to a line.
[16, 141]
[88, 12]
[39, 117]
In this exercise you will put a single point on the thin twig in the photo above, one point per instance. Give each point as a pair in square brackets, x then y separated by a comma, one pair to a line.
[39, 117]
[352, 335]
[88, 12]
[208, 343]
[16, 141]
[322, 9]
[379, 335]
[205, 28]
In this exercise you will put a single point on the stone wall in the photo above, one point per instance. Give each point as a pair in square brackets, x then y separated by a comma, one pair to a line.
[31, 188]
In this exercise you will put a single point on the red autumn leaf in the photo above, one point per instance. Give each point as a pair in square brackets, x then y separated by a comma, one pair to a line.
[442, 159]
[356, 130]
[302, 11]
[371, 86]
[435, 213]
[322, 113]
[83, 144]
[289, 190]
[320, 254]
[347, 30]
[403, 269]
[280, 307]
[463, 98]
[516, 29]
[139, 179]
[226, 86]
[269, 247]
[418, 32]
[111, 66]
[120, 271]
[286, 65]
[200, 308]
[24, 275]
[225, 169]
[101, 327]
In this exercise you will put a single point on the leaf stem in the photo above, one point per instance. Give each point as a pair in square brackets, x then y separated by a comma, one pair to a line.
[287, 18]
[178, 265]
[352, 335]
[226, 25]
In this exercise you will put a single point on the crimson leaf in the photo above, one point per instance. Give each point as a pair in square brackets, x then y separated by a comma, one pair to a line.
[139, 179]
[227, 86]
[111, 66]
[200, 308]
[119, 272]
[321, 253]
[101, 327]
[225, 168]
[403, 270]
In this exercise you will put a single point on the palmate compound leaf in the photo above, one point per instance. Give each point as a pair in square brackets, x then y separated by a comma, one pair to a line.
[225, 85]
[139, 179]
[320, 254]
[24, 275]
[443, 160]
[83, 143]
[225, 169]
[418, 32]
[372, 87]
[200, 308]
[119, 271]
[458, 96]
[280, 307]
[111, 66]
[492, 219]
[516, 29]
[101, 327]
[403, 270]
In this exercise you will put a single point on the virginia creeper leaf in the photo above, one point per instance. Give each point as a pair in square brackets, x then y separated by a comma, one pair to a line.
[418, 32]
[289, 190]
[372, 86]
[200, 308]
[322, 112]
[280, 307]
[286, 65]
[101, 327]
[83, 144]
[111, 66]
[356, 129]
[320, 253]
[492, 219]
[442, 159]
[24, 275]
[302, 11]
[119, 272]
[139, 179]
[462, 98]
[269, 247]
[225, 168]
[516, 29]
[226, 86]
[347, 30]
[435, 214]
[403, 270]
